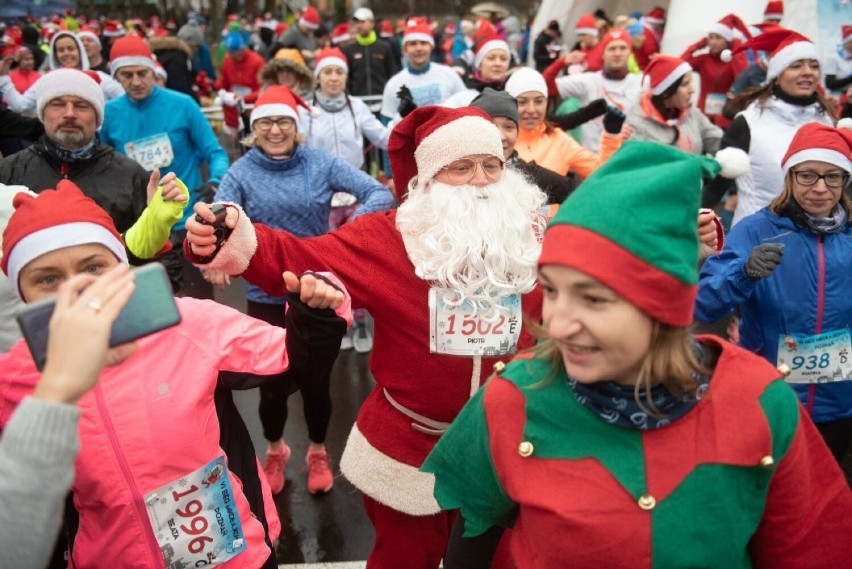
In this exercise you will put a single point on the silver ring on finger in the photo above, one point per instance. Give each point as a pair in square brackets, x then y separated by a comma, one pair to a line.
[95, 304]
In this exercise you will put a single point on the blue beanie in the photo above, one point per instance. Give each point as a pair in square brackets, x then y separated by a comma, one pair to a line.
[234, 42]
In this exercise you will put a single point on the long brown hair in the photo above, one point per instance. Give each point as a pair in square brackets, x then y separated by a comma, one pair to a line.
[671, 361]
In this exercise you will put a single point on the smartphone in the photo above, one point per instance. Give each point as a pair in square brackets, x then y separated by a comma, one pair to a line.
[150, 309]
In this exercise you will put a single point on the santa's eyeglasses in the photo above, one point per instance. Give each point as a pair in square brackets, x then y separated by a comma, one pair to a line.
[462, 171]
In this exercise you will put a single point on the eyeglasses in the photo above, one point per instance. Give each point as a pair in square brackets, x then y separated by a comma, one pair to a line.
[462, 171]
[832, 179]
[284, 124]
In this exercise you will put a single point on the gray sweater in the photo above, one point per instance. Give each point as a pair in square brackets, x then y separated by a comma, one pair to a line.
[695, 133]
[37, 452]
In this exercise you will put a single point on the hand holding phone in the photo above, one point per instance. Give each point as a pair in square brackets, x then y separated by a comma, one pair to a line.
[204, 242]
[151, 308]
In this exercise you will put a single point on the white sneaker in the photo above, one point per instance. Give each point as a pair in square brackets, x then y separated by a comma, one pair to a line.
[363, 338]
[346, 343]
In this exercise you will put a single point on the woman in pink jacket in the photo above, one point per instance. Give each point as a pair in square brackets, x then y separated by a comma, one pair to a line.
[162, 476]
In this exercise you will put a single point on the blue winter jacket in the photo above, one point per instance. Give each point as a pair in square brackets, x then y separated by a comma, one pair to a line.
[808, 294]
[178, 116]
[295, 194]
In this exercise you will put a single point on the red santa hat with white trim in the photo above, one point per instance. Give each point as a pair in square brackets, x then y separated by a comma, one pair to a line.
[730, 27]
[487, 45]
[662, 72]
[71, 82]
[310, 18]
[55, 219]
[113, 29]
[586, 25]
[91, 35]
[846, 34]
[329, 56]
[419, 32]
[128, 51]
[816, 141]
[784, 47]
[278, 101]
[774, 10]
[656, 15]
[432, 137]
[340, 34]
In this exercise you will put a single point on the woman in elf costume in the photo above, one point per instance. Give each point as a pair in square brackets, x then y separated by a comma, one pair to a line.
[623, 440]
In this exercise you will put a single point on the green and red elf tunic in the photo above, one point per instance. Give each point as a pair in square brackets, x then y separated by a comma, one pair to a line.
[742, 480]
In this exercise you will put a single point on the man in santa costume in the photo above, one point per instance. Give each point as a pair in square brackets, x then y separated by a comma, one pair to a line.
[446, 278]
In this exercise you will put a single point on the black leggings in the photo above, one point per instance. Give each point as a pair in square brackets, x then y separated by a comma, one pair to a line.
[275, 390]
[838, 436]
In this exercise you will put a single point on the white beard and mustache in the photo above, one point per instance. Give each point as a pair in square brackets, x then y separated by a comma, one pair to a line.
[480, 244]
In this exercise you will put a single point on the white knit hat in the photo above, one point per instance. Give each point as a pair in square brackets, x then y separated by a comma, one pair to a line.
[524, 80]
[71, 82]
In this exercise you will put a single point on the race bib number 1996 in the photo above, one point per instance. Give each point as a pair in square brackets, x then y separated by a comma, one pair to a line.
[457, 331]
[195, 519]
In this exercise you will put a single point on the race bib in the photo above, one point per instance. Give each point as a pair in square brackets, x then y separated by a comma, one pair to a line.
[195, 518]
[714, 103]
[456, 331]
[151, 152]
[823, 358]
[241, 90]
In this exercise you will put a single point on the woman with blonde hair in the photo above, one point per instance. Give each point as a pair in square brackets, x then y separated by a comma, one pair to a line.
[622, 437]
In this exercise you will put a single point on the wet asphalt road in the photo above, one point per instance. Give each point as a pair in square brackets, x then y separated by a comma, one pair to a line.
[322, 528]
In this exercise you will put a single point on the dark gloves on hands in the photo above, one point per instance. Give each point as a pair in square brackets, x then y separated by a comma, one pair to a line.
[613, 120]
[206, 192]
[763, 259]
[582, 115]
[406, 101]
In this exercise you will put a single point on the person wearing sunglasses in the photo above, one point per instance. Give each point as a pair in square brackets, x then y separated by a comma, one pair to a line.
[788, 269]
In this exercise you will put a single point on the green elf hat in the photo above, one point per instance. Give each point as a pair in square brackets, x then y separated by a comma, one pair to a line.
[633, 226]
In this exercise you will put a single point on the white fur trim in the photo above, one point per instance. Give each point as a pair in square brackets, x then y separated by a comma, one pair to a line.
[326, 61]
[309, 25]
[90, 35]
[70, 82]
[819, 154]
[653, 20]
[395, 484]
[129, 61]
[721, 30]
[56, 237]
[669, 79]
[442, 146]
[274, 110]
[734, 162]
[488, 47]
[793, 52]
[417, 36]
[773, 16]
[586, 31]
[844, 123]
[236, 253]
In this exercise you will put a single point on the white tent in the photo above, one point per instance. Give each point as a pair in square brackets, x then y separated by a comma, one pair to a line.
[687, 20]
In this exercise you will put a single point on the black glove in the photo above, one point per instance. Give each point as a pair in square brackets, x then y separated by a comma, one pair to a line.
[763, 259]
[206, 192]
[582, 115]
[613, 120]
[406, 101]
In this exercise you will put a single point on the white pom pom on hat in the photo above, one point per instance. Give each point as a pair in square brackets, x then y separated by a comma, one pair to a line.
[734, 162]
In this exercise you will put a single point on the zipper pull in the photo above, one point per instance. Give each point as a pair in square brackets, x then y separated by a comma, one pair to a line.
[63, 170]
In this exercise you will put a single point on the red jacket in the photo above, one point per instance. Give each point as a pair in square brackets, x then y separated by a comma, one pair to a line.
[242, 78]
[716, 75]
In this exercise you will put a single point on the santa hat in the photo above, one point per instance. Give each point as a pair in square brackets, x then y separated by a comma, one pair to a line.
[728, 27]
[784, 47]
[615, 34]
[655, 16]
[419, 32]
[310, 18]
[55, 219]
[432, 137]
[94, 24]
[340, 33]
[278, 101]
[586, 25]
[91, 35]
[774, 10]
[160, 71]
[487, 45]
[816, 141]
[642, 244]
[130, 50]
[113, 29]
[386, 29]
[662, 72]
[846, 33]
[524, 80]
[329, 56]
[71, 82]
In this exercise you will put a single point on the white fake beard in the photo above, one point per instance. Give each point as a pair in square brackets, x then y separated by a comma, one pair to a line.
[478, 243]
